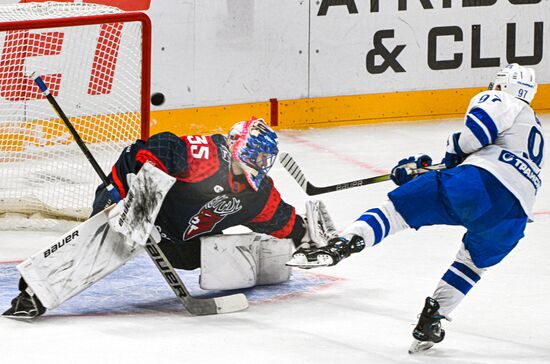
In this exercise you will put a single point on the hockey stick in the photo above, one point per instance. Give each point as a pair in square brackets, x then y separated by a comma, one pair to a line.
[194, 305]
[294, 169]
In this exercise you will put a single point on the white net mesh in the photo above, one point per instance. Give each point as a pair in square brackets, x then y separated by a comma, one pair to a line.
[94, 72]
[51, 10]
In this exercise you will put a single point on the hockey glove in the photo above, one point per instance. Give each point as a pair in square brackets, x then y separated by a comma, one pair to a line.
[454, 154]
[401, 173]
[336, 250]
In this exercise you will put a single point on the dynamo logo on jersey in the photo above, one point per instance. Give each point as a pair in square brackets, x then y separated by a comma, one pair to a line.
[521, 166]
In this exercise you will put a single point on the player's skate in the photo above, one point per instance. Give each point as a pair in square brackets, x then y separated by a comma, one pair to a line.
[25, 306]
[428, 331]
[336, 250]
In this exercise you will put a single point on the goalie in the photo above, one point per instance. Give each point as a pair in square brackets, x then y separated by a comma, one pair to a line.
[221, 182]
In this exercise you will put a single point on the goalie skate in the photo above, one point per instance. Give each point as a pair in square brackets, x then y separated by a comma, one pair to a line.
[25, 307]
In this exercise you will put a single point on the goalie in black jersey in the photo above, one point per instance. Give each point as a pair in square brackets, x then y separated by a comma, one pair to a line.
[221, 182]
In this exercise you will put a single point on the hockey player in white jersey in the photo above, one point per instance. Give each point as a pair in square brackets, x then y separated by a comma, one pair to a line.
[489, 187]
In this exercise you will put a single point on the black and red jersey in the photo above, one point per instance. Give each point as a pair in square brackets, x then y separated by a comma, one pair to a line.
[206, 198]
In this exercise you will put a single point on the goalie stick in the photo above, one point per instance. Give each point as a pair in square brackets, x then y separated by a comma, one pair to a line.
[194, 305]
[296, 172]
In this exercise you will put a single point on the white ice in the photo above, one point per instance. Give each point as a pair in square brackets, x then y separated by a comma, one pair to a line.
[365, 318]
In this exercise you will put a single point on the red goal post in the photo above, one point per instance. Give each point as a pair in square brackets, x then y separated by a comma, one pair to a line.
[98, 67]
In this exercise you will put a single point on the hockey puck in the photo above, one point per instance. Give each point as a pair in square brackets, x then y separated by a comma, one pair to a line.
[157, 99]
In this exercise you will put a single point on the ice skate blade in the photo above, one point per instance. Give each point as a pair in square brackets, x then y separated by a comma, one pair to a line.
[20, 318]
[420, 346]
[300, 261]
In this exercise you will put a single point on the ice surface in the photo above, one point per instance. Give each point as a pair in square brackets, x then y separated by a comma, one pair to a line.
[365, 317]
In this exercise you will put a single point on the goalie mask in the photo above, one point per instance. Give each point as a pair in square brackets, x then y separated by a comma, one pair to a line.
[254, 148]
[517, 81]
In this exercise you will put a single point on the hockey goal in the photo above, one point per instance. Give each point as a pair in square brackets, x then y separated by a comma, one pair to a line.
[96, 61]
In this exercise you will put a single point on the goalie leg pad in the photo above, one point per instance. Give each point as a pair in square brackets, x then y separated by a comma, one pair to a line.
[76, 260]
[274, 254]
[243, 260]
[229, 261]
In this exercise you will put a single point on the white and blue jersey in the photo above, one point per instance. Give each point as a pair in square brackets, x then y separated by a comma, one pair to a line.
[503, 136]
[491, 193]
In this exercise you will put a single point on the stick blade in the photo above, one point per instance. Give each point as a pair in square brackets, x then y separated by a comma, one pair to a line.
[231, 303]
[211, 306]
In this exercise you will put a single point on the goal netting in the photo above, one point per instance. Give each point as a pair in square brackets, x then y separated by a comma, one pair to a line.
[95, 61]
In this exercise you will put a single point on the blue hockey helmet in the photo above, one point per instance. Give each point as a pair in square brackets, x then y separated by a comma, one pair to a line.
[254, 148]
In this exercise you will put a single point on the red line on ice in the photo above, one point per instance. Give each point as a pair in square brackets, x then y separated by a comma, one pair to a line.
[340, 156]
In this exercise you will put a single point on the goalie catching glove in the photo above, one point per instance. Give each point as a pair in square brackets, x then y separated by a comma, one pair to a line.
[319, 226]
[336, 250]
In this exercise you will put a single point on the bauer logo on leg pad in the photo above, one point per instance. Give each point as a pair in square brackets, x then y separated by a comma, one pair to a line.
[60, 243]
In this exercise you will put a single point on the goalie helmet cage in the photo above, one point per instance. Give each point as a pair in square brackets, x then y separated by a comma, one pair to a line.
[96, 62]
